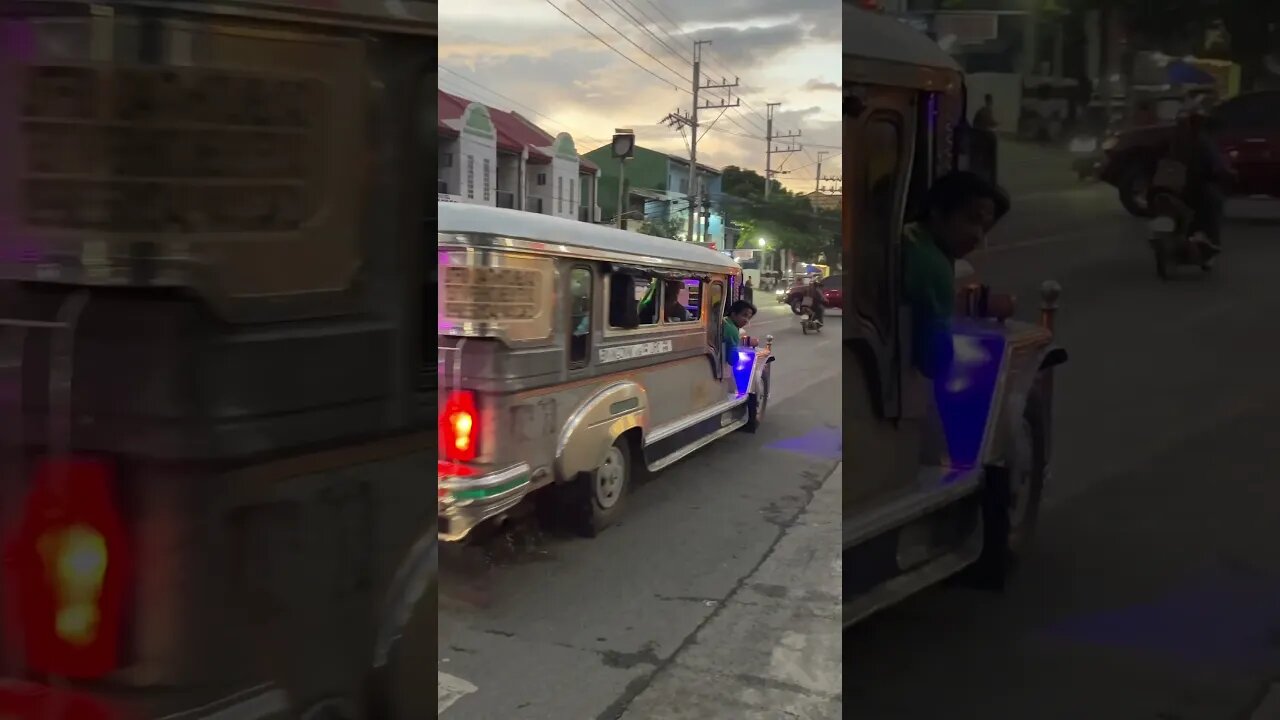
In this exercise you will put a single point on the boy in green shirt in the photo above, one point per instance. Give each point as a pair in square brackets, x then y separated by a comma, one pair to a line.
[959, 210]
[740, 313]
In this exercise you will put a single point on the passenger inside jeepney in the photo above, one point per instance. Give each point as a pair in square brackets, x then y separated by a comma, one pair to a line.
[674, 308]
[959, 210]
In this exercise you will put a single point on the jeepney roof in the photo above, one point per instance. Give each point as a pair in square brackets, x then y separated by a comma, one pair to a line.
[455, 217]
[877, 36]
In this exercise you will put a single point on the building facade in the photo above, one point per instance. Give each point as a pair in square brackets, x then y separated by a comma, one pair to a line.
[493, 157]
[656, 190]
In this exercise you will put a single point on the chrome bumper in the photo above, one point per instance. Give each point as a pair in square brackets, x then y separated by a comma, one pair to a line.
[465, 500]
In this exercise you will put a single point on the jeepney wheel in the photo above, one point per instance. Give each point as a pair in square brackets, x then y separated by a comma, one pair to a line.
[602, 492]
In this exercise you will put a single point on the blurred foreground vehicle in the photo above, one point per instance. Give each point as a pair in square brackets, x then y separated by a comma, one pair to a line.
[941, 475]
[216, 408]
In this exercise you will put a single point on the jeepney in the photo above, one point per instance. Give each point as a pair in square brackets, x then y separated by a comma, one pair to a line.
[574, 357]
[942, 475]
[215, 402]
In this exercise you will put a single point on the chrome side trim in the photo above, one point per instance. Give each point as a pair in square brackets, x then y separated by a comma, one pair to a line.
[671, 428]
[696, 445]
[575, 418]
[490, 480]
[930, 495]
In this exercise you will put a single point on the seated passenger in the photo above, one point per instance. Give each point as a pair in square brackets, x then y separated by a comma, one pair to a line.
[674, 309]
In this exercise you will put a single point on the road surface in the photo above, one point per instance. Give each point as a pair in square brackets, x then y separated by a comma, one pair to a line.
[716, 596]
[1153, 590]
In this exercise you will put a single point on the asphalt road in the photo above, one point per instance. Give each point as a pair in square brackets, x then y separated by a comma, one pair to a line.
[1153, 589]
[725, 567]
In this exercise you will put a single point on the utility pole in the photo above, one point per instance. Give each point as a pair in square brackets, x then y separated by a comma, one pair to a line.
[678, 119]
[770, 151]
[817, 175]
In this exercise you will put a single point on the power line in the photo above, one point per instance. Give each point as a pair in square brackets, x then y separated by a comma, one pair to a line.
[633, 42]
[645, 28]
[601, 40]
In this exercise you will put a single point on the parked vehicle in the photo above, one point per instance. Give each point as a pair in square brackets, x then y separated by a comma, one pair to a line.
[913, 516]
[214, 412]
[1246, 129]
[832, 291]
[593, 353]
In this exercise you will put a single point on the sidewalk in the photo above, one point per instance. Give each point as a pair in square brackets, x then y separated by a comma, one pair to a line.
[772, 651]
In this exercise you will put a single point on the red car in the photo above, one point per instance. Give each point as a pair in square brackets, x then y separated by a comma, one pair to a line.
[1246, 129]
[832, 290]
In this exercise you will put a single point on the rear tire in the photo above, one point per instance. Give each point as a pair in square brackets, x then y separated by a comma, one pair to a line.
[595, 499]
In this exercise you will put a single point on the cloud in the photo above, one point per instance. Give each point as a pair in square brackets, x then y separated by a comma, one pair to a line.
[817, 85]
[522, 55]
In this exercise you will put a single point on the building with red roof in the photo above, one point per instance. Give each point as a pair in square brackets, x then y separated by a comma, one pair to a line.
[495, 157]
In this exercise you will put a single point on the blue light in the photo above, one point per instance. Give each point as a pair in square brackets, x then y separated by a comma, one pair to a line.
[742, 370]
[965, 391]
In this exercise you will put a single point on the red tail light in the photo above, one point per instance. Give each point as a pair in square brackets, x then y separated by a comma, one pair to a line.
[460, 427]
[66, 570]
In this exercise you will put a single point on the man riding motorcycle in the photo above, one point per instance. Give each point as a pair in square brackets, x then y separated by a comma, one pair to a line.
[1196, 172]
[819, 301]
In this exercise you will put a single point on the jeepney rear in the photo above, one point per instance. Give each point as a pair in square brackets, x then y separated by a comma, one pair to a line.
[215, 414]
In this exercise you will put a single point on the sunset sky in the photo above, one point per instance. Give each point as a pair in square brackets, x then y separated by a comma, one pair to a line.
[559, 76]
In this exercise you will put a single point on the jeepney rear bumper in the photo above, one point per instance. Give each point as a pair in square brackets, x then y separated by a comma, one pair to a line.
[20, 700]
[468, 497]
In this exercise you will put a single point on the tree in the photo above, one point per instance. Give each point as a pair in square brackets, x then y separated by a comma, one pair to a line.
[786, 219]
[667, 226]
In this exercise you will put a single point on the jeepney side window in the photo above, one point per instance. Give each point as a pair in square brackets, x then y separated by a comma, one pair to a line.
[580, 304]
[633, 299]
[681, 300]
[715, 299]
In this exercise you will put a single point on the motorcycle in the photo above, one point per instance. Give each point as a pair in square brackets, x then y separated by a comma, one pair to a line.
[809, 320]
[1172, 242]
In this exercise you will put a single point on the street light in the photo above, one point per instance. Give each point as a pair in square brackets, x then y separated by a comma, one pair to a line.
[763, 243]
[624, 146]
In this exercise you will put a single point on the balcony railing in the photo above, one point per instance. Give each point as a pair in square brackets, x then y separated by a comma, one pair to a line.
[506, 199]
[534, 205]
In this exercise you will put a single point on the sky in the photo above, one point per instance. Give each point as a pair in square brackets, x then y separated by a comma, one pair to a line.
[524, 55]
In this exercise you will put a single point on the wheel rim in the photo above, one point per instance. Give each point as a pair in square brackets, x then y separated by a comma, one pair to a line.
[611, 478]
[1021, 475]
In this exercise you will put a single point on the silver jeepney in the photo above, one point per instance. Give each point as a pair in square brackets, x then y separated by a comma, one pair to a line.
[558, 384]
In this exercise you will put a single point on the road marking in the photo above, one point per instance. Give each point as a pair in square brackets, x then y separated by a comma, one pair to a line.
[450, 690]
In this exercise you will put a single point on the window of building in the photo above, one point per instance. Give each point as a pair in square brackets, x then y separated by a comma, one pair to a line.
[560, 195]
[486, 179]
[542, 178]
[580, 287]
[572, 185]
[471, 176]
[446, 159]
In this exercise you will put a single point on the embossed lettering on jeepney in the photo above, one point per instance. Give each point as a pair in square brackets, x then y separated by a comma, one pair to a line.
[170, 150]
[491, 293]
[631, 352]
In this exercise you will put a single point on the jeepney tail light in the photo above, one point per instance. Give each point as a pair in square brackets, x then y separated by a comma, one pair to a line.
[460, 427]
[65, 571]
